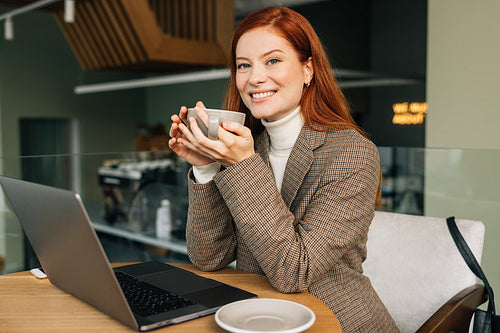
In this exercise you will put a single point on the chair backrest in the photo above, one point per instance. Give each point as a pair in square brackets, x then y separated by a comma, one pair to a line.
[415, 266]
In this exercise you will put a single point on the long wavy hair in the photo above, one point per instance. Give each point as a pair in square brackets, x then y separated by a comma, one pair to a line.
[323, 105]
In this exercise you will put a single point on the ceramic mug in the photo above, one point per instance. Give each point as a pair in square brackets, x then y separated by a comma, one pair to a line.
[215, 118]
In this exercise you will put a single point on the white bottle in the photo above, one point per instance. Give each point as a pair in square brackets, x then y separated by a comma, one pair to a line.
[164, 220]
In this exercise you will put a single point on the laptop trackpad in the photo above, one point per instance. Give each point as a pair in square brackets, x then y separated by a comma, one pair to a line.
[179, 282]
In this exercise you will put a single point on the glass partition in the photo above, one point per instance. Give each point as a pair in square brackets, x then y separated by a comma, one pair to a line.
[402, 179]
[123, 191]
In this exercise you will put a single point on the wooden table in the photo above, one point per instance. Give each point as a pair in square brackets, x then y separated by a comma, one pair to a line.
[28, 304]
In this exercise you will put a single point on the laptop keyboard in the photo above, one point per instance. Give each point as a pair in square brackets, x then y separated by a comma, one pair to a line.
[146, 299]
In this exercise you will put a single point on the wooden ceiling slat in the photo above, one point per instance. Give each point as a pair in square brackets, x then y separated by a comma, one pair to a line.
[210, 26]
[193, 19]
[116, 27]
[81, 21]
[111, 34]
[142, 22]
[130, 41]
[184, 20]
[90, 59]
[170, 16]
[200, 19]
[166, 19]
[160, 11]
[77, 47]
[153, 4]
[223, 27]
[157, 6]
[94, 37]
[80, 39]
[131, 33]
[102, 33]
[176, 18]
[169, 12]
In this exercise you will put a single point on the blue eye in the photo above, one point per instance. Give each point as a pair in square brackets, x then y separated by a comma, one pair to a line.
[243, 66]
[273, 61]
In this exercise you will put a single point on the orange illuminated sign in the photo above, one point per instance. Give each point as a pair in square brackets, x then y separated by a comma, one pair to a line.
[409, 113]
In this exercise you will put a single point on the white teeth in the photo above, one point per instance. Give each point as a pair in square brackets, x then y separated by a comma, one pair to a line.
[262, 95]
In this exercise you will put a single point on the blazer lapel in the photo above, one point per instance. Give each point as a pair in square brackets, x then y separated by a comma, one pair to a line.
[299, 162]
[262, 146]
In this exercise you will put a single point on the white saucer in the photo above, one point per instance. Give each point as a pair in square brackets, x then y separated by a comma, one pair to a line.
[264, 315]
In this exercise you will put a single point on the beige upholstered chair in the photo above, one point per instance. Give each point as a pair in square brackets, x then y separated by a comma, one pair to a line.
[419, 274]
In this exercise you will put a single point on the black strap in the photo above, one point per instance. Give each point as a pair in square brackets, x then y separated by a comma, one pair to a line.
[470, 260]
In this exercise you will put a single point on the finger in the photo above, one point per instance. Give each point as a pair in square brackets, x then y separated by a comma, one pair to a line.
[175, 131]
[201, 144]
[200, 105]
[174, 127]
[184, 145]
[180, 147]
[235, 128]
[172, 143]
[183, 114]
[176, 146]
[175, 119]
[194, 138]
[201, 114]
[179, 142]
[186, 131]
[198, 133]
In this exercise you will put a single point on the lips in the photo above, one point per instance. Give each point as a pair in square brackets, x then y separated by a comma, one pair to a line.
[263, 94]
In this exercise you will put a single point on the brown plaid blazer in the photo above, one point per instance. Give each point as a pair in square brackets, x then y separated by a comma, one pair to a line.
[311, 236]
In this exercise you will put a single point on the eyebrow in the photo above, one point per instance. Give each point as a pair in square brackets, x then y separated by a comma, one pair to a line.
[264, 55]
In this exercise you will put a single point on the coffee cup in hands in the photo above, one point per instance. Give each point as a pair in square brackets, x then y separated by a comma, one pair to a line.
[215, 118]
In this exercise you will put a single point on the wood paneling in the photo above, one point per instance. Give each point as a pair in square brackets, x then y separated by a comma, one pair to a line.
[150, 35]
[147, 35]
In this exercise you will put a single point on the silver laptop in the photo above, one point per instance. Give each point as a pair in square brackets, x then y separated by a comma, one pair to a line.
[61, 234]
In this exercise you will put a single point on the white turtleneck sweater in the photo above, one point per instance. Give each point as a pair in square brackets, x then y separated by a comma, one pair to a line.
[282, 133]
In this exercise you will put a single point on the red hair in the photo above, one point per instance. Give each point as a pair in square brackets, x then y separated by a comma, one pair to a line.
[323, 105]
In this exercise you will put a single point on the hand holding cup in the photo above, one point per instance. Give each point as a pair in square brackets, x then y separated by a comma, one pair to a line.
[202, 136]
[211, 119]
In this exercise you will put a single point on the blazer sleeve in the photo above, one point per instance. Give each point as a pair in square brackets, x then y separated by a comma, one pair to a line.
[210, 235]
[335, 207]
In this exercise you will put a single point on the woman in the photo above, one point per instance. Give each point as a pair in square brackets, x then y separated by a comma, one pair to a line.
[291, 194]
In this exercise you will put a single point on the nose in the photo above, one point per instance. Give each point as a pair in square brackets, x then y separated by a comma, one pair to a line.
[257, 76]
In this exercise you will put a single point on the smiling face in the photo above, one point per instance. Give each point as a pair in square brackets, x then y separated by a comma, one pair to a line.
[269, 75]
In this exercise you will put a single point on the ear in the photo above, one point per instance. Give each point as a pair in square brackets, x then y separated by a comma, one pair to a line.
[308, 71]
